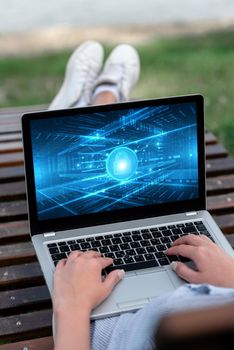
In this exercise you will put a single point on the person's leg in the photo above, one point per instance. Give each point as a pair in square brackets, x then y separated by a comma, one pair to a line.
[104, 97]
[82, 71]
[119, 76]
[82, 86]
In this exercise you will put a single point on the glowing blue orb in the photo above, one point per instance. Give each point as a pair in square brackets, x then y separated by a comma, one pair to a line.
[121, 163]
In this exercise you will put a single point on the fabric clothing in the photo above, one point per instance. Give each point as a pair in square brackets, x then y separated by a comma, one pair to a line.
[135, 331]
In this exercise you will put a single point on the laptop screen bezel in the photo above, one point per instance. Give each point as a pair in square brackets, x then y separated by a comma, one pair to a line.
[70, 222]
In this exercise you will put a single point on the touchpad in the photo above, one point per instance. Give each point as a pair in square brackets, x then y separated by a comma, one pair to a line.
[141, 287]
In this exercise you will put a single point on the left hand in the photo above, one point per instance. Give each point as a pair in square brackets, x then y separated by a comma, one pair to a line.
[78, 282]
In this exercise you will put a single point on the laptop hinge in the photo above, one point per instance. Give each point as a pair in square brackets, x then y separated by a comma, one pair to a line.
[49, 234]
[191, 213]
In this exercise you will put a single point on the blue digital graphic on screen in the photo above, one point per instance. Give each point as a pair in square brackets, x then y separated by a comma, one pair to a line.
[90, 163]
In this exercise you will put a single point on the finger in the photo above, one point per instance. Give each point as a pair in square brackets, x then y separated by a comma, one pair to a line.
[74, 255]
[112, 279]
[91, 254]
[205, 238]
[190, 239]
[185, 272]
[105, 262]
[184, 250]
[61, 264]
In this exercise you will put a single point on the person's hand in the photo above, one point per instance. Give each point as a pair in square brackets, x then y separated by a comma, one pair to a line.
[213, 264]
[78, 282]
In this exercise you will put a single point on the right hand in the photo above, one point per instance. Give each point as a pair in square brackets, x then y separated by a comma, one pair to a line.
[213, 264]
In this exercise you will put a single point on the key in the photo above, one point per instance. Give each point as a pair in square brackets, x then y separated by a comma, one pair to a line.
[103, 250]
[161, 247]
[64, 249]
[59, 256]
[163, 261]
[114, 248]
[74, 247]
[139, 258]
[135, 244]
[85, 245]
[53, 250]
[145, 243]
[51, 245]
[149, 257]
[116, 240]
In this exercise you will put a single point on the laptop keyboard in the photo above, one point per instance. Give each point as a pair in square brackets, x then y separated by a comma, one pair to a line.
[131, 250]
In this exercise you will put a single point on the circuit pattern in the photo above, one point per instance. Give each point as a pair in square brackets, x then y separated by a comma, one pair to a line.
[70, 157]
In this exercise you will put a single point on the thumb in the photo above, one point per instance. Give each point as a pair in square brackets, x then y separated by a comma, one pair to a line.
[112, 279]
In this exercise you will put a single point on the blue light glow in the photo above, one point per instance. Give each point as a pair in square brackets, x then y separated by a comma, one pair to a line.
[96, 162]
[121, 164]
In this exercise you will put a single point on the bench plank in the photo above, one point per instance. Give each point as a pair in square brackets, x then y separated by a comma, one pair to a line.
[10, 128]
[13, 190]
[210, 138]
[32, 344]
[221, 204]
[16, 253]
[14, 231]
[219, 185]
[13, 210]
[215, 151]
[222, 166]
[10, 137]
[23, 326]
[11, 147]
[14, 173]
[16, 276]
[20, 300]
[225, 222]
[11, 112]
[11, 159]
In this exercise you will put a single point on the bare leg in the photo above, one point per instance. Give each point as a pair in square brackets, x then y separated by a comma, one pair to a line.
[104, 97]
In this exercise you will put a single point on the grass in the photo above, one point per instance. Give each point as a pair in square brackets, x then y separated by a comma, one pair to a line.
[201, 63]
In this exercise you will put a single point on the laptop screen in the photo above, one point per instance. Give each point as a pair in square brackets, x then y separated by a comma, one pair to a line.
[109, 160]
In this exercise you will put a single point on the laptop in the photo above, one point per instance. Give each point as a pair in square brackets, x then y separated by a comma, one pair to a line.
[125, 179]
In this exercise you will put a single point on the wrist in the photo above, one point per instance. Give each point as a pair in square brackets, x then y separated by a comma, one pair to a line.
[64, 309]
[71, 327]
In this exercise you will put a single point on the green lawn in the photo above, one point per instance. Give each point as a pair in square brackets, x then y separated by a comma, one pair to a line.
[202, 63]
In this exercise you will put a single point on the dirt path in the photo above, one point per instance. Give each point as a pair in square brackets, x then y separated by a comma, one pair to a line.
[63, 37]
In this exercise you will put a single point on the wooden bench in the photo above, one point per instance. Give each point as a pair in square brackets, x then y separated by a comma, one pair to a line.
[25, 305]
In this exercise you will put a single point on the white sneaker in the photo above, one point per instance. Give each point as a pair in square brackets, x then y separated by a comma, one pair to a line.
[81, 72]
[122, 69]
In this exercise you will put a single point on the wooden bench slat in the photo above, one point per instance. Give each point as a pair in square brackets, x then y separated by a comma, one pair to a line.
[12, 112]
[11, 147]
[23, 326]
[31, 344]
[22, 300]
[11, 159]
[16, 253]
[14, 276]
[210, 138]
[13, 190]
[13, 210]
[14, 231]
[215, 151]
[225, 222]
[222, 203]
[9, 174]
[219, 185]
[10, 137]
[10, 128]
[222, 166]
